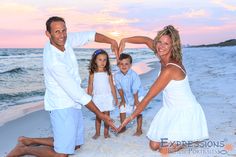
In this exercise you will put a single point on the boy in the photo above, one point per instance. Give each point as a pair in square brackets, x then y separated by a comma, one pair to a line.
[129, 87]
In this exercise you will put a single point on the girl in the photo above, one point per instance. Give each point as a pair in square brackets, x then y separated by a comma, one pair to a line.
[181, 119]
[101, 87]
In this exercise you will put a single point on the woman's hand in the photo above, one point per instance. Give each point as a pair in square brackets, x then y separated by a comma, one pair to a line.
[114, 48]
[125, 122]
[121, 46]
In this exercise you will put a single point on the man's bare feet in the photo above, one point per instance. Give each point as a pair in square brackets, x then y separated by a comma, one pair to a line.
[96, 136]
[25, 140]
[19, 150]
[138, 133]
[107, 136]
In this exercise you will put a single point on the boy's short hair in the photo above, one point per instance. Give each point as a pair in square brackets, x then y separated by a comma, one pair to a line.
[125, 56]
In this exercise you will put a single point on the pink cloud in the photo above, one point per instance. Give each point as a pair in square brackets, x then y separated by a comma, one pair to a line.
[225, 5]
[200, 13]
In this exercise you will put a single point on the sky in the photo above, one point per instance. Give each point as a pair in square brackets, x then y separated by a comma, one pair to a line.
[198, 21]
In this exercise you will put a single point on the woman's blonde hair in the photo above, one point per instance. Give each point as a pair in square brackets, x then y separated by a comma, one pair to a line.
[173, 33]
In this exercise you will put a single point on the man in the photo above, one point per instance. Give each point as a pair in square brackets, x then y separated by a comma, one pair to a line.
[64, 95]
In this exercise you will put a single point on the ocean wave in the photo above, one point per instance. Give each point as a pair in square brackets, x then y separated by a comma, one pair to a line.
[19, 52]
[17, 96]
[14, 71]
[3, 54]
[83, 60]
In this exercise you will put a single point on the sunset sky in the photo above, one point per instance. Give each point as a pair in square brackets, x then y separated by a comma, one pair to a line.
[199, 21]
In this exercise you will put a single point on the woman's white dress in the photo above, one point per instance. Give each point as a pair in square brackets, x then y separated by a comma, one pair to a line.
[181, 118]
[102, 96]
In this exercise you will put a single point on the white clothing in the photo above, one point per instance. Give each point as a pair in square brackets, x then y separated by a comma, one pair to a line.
[130, 83]
[129, 108]
[68, 129]
[181, 118]
[61, 73]
[102, 95]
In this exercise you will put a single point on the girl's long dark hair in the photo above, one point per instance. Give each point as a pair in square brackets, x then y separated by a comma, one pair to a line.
[93, 66]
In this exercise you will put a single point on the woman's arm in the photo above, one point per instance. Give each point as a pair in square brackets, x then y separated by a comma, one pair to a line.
[90, 84]
[160, 83]
[136, 40]
[156, 88]
[113, 90]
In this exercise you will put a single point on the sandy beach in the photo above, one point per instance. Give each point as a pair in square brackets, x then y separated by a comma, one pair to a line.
[212, 80]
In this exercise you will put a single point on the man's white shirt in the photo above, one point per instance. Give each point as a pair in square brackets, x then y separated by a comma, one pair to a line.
[61, 74]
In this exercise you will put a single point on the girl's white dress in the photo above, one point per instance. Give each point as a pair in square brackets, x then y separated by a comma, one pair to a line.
[102, 96]
[181, 118]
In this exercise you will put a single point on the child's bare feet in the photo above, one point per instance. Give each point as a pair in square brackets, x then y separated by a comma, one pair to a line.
[138, 133]
[96, 136]
[77, 147]
[107, 136]
[19, 150]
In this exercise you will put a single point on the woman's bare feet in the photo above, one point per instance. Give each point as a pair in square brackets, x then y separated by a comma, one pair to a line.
[96, 136]
[170, 149]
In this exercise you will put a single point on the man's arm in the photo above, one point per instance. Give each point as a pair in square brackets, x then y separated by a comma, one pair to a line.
[91, 106]
[70, 86]
[104, 39]
[90, 85]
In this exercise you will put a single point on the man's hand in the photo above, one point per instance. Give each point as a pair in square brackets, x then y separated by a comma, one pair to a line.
[114, 48]
[91, 106]
[109, 122]
[104, 39]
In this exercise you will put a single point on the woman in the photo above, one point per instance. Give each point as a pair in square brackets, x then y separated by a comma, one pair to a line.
[181, 118]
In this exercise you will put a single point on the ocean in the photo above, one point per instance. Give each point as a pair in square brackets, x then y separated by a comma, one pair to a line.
[21, 72]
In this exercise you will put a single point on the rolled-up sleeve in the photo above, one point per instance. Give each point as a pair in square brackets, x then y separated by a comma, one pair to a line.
[80, 38]
[69, 84]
